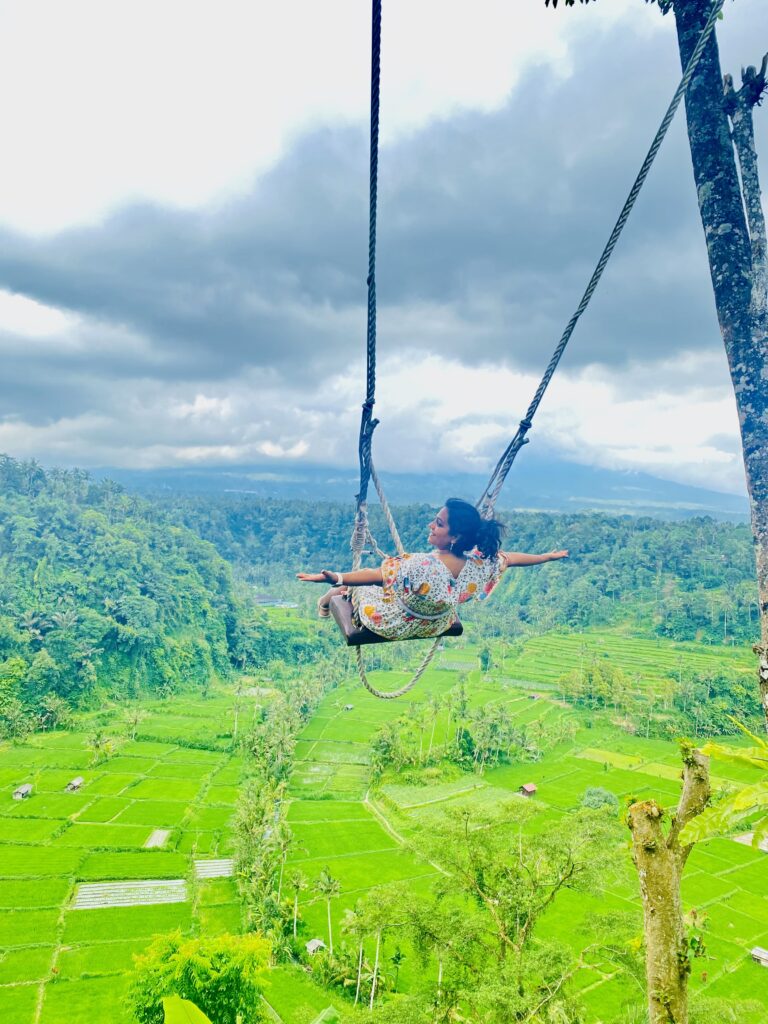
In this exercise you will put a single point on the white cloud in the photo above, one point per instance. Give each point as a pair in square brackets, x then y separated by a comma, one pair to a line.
[202, 407]
[184, 102]
[23, 316]
[460, 417]
[437, 415]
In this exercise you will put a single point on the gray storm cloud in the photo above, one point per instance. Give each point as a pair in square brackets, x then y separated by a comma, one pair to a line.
[496, 217]
[489, 226]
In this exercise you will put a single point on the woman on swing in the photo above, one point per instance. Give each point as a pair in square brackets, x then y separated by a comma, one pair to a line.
[416, 596]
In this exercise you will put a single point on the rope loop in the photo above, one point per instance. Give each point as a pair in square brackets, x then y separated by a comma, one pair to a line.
[394, 694]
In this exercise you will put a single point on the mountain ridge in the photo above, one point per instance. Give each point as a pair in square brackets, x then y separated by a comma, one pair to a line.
[540, 484]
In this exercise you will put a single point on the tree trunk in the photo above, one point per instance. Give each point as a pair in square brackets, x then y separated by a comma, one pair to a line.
[431, 739]
[295, 913]
[359, 972]
[660, 860]
[375, 970]
[730, 261]
[330, 933]
[739, 106]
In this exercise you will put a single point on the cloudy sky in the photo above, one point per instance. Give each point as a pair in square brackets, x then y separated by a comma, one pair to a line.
[183, 235]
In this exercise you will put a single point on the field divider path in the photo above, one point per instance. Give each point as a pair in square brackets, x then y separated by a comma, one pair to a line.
[195, 881]
[57, 947]
[340, 856]
[384, 822]
[271, 1010]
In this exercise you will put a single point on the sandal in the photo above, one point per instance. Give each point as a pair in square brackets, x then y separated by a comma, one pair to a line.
[323, 611]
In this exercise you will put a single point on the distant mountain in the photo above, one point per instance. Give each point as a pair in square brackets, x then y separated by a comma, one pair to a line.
[535, 483]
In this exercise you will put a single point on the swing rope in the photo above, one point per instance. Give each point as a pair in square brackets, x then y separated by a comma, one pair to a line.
[487, 502]
[491, 493]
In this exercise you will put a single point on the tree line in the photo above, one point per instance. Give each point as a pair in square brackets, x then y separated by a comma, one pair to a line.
[692, 579]
[102, 593]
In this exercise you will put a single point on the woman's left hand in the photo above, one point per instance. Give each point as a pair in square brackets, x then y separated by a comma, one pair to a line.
[326, 576]
[554, 555]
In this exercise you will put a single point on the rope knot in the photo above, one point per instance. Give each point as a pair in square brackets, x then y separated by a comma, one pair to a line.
[525, 425]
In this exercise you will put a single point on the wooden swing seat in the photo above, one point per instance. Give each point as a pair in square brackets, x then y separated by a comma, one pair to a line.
[357, 636]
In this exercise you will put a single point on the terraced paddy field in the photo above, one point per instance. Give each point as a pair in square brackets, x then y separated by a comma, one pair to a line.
[544, 659]
[73, 863]
[64, 959]
[363, 839]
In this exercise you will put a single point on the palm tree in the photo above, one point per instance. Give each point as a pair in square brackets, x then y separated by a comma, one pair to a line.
[396, 960]
[133, 718]
[450, 707]
[354, 924]
[435, 707]
[282, 845]
[100, 744]
[462, 704]
[419, 719]
[238, 695]
[328, 887]
[297, 883]
[382, 911]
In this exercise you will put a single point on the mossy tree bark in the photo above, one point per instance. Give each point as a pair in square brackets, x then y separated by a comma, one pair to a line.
[660, 859]
[739, 106]
[736, 251]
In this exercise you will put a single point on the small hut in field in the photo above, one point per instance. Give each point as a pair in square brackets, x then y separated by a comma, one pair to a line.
[528, 789]
[75, 784]
[315, 946]
[760, 956]
[23, 791]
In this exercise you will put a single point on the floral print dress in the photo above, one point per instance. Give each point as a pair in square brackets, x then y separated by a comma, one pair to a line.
[419, 597]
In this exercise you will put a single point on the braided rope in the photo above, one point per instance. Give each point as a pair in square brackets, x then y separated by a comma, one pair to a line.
[493, 488]
[368, 423]
[394, 694]
[384, 694]
[387, 512]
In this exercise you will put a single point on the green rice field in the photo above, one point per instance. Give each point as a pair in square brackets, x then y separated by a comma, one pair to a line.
[545, 658]
[60, 964]
[363, 839]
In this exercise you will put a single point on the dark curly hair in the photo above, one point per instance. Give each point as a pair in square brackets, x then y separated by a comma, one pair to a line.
[472, 531]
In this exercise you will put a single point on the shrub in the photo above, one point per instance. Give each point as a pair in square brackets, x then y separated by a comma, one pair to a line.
[223, 976]
[597, 797]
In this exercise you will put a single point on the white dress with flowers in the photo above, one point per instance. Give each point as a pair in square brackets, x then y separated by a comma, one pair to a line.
[420, 597]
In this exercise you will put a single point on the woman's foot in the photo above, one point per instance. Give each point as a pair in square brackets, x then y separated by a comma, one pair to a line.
[323, 605]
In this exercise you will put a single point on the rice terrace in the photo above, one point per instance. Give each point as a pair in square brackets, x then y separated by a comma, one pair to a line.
[82, 889]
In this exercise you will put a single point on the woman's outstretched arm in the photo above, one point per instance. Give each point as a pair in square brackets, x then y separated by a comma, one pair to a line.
[520, 558]
[353, 578]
